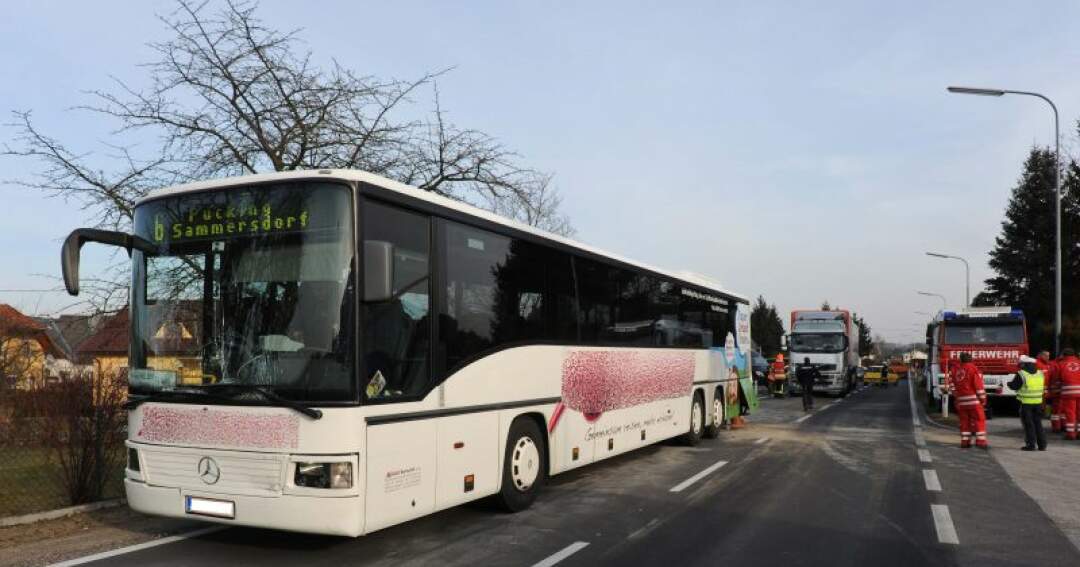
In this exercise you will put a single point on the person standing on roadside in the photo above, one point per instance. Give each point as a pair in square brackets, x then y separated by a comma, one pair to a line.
[777, 375]
[1069, 402]
[966, 387]
[807, 374]
[1029, 384]
[1049, 369]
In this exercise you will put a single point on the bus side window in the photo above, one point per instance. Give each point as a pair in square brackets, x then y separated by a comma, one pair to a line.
[396, 337]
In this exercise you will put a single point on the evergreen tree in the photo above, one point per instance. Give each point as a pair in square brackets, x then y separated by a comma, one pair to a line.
[866, 341]
[766, 327]
[825, 306]
[1023, 254]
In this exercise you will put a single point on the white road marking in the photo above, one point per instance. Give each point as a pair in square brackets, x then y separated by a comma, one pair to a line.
[946, 531]
[562, 554]
[931, 479]
[919, 439]
[911, 400]
[803, 418]
[760, 441]
[644, 529]
[924, 456]
[139, 546]
[708, 470]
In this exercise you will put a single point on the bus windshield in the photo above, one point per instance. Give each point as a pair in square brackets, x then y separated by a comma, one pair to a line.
[250, 286]
[817, 342]
[1007, 334]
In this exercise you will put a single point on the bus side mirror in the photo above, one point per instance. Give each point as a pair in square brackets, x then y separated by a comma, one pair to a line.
[70, 253]
[378, 270]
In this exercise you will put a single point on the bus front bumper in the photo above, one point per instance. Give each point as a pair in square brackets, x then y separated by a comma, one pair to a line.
[341, 516]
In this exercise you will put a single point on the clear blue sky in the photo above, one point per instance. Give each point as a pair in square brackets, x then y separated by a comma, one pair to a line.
[800, 150]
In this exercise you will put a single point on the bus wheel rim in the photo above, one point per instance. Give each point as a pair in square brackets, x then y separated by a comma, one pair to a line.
[718, 411]
[525, 464]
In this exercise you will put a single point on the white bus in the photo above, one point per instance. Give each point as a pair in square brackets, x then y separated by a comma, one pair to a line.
[334, 352]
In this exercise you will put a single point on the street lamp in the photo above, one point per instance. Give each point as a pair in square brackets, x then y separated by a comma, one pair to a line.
[1057, 196]
[944, 304]
[967, 274]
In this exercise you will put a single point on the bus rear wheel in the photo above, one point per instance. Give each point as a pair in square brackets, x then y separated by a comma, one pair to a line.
[697, 421]
[524, 466]
[712, 431]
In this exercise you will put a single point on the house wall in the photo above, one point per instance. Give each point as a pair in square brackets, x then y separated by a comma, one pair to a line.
[23, 361]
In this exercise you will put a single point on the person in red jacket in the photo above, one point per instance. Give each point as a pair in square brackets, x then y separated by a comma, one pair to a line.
[969, 393]
[1053, 389]
[777, 375]
[1069, 374]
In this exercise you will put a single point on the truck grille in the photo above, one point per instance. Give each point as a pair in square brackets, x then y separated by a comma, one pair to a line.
[996, 366]
[256, 475]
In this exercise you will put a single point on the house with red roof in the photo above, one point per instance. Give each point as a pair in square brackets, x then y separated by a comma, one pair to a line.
[27, 351]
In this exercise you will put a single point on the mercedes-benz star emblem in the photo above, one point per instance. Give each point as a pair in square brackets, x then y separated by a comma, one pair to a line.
[208, 470]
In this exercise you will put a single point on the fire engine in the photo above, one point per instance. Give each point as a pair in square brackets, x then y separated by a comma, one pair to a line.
[996, 337]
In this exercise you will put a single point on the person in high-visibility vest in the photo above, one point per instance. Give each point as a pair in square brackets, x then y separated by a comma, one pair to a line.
[1069, 372]
[1029, 385]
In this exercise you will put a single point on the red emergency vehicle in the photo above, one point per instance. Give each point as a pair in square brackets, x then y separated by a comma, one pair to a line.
[996, 337]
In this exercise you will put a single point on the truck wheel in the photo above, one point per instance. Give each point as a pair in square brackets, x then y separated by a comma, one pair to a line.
[712, 431]
[697, 421]
[524, 466]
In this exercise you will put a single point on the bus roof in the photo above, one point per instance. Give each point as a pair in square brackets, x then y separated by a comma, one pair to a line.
[389, 184]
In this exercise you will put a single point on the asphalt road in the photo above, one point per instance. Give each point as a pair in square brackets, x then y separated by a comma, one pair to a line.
[845, 486]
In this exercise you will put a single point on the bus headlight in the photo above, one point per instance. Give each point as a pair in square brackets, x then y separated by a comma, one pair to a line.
[324, 475]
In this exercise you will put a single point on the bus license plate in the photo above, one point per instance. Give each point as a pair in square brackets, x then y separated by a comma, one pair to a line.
[209, 507]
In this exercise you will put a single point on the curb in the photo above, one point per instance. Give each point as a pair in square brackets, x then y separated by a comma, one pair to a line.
[60, 512]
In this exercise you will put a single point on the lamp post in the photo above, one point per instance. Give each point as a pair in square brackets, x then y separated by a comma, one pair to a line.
[1057, 196]
[944, 304]
[967, 274]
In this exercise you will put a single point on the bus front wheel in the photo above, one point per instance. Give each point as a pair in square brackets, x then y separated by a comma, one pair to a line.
[524, 470]
[697, 421]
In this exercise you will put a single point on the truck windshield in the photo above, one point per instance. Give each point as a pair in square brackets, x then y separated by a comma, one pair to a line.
[1008, 334]
[249, 286]
[817, 342]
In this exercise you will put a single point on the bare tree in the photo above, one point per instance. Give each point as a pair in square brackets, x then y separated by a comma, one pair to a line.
[228, 95]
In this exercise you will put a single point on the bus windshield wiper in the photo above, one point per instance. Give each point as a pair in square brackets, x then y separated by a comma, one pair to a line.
[269, 395]
[175, 395]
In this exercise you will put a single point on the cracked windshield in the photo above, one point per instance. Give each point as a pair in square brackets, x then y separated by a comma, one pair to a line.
[235, 293]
